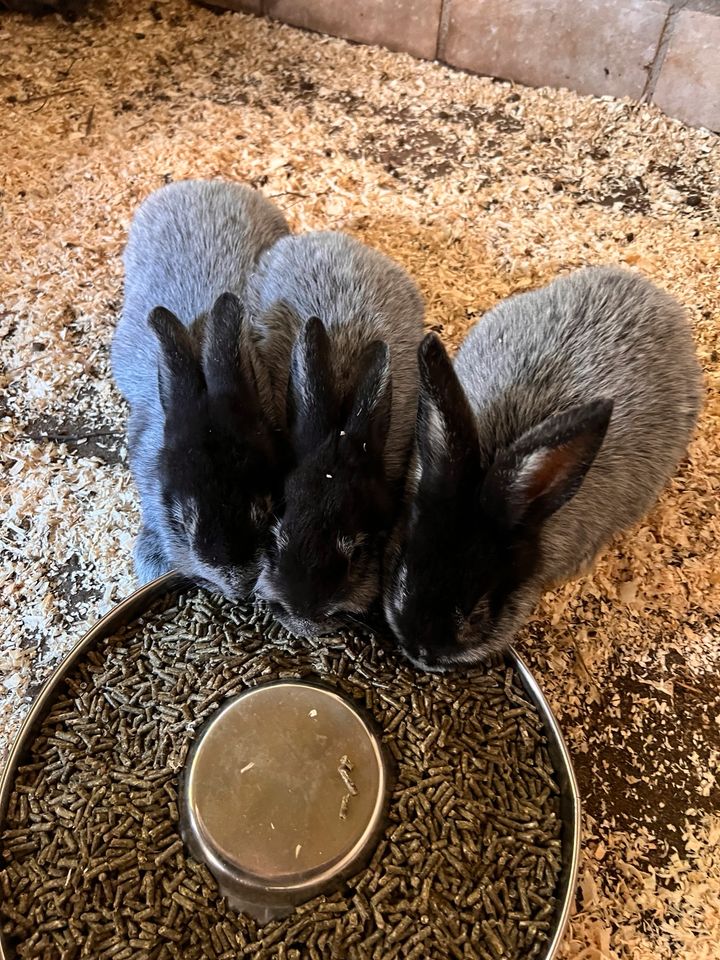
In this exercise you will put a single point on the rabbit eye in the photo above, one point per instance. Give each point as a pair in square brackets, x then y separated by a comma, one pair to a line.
[480, 612]
[281, 538]
[345, 546]
[176, 512]
[350, 547]
[401, 586]
[260, 509]
[185, 515]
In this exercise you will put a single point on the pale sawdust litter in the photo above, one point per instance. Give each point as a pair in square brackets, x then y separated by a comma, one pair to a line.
[480, 189]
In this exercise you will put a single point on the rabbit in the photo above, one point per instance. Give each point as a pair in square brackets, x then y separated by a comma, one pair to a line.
[353, 321]
[207, 445]
[565, 413]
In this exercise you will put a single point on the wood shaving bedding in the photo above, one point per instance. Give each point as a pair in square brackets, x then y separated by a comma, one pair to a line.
[480, 189]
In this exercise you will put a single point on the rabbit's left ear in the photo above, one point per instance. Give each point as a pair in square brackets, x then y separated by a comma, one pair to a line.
[545, 468]
[448, 451]
[369, 419]
[180, 379]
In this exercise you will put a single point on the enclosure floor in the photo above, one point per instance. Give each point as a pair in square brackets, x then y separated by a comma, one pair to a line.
[480, 189]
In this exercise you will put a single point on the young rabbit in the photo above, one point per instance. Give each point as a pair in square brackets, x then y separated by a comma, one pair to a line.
[357, 320]
[206, 450]
[566, 412]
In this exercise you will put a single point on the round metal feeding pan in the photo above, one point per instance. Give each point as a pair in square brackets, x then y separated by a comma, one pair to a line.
[284, 792]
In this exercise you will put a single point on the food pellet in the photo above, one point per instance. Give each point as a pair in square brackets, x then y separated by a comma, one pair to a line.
[92, 865]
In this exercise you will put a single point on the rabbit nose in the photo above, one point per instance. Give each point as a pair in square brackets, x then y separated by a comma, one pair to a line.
[295, 618]
[307, 608]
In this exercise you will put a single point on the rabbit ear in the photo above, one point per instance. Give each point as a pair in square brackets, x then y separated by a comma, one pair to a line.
[180, 378]
[447, 440]
[234, 370]
[280, 323]
[544, 469]
[221, 355]
[312, 406]
[369, 419]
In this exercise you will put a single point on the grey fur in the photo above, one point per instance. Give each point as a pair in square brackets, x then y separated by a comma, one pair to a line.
[361, 297]
[189, 242]
[598, 333]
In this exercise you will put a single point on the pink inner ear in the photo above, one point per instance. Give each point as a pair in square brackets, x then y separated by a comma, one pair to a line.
[543, 469]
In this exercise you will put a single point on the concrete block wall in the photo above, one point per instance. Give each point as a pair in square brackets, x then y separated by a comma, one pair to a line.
[663, 51]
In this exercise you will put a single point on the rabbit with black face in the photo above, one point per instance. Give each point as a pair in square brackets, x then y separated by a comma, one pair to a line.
[355, 321]
[207, 448]
[566, 412]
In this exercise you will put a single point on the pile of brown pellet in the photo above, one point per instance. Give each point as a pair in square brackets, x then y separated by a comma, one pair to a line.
[93, 866]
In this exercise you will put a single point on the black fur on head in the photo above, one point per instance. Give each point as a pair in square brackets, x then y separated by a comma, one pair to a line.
[323, 559]
[223, 459]
[471, 536]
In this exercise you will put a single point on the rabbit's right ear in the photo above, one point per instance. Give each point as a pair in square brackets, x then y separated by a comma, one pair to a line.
[369, 419]
[311, 403]
[221, 355]
[180, 378]
[446, 433]
[234, 371]
[545, 467]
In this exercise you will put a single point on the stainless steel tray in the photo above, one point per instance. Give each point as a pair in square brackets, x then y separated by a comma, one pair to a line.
[139, 601]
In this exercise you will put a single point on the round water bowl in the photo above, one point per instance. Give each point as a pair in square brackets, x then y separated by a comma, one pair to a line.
[284, 795]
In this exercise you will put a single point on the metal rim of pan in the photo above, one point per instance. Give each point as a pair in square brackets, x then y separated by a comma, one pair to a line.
[171, 583]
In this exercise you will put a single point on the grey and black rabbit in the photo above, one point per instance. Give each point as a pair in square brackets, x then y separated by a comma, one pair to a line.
[565, 413]
[207, 450]
[353, 321]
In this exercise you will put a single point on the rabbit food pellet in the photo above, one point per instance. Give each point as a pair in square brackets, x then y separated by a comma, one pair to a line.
[93, 865]
[344, 769]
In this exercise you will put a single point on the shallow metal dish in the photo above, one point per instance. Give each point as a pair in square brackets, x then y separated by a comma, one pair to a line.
[138, 603]
[229, 826]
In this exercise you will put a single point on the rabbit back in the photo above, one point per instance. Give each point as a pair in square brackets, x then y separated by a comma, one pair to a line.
[361, 296]
[189, 242]
[598, 333]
